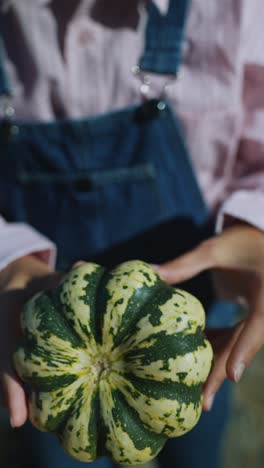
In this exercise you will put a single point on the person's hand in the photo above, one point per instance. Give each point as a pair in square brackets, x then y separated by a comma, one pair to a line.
[237, 258]
[18, 282]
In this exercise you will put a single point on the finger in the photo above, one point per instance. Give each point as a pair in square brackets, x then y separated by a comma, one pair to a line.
[249, 343]
[15, 399]
[188, 265]
[50, 281]
[222, 341]
[77, 264]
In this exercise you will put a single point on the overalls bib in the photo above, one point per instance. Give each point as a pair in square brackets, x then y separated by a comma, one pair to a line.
[115, 187]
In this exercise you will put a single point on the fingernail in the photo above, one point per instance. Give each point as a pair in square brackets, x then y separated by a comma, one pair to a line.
[238, 372]
[12, 422]
[209, 402]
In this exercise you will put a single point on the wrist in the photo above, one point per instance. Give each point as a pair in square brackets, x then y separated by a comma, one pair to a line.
[21, 272]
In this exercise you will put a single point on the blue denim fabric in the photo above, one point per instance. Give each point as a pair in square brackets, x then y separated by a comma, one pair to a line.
[110, 188]
[4, 82]
[164, 36]
[99, 181]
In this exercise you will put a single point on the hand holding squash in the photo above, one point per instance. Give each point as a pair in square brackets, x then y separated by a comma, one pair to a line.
[16, 286]
[237, 258]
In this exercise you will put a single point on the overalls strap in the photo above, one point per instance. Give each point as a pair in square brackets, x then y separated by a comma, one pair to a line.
[5, 89]
[164, 38]
[163, 42]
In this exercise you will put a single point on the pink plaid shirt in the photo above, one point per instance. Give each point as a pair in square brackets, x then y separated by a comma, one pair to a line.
[77, 61]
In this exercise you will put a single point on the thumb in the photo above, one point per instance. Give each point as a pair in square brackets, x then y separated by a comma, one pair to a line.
[188, 265]
[15, 398]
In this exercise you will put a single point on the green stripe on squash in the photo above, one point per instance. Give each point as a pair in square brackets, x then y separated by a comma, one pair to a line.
[116, 361]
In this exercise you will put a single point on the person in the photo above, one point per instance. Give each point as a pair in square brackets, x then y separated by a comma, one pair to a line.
[102, 151]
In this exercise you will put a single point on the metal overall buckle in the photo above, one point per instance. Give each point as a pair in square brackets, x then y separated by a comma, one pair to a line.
[8, 130]
[152, 107]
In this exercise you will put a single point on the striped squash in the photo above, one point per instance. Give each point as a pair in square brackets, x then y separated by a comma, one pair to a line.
[116, 362]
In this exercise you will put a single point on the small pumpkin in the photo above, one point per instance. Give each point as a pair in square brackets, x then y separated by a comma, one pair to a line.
[116, 361]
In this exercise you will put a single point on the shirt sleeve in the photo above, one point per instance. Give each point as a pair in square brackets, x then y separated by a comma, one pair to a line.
[245, 199]
[19, 239]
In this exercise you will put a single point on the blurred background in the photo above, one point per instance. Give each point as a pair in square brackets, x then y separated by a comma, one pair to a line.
[243, 445]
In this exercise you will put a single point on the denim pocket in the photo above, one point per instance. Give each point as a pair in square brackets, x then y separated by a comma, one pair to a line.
[86, 212]
[89, 180]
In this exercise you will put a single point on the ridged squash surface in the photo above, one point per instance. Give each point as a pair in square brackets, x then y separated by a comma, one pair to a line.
[116, 361]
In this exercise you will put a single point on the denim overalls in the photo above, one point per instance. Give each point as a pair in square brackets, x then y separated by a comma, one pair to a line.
[111, 188]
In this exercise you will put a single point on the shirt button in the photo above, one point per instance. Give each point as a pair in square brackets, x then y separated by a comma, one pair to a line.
[186, 47]
[85, 37]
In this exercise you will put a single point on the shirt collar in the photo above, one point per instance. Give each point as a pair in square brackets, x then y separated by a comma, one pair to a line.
[162, 5]
[6, 4]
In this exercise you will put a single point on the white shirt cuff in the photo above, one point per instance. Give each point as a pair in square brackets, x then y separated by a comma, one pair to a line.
[244, 205]
[19, 239]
